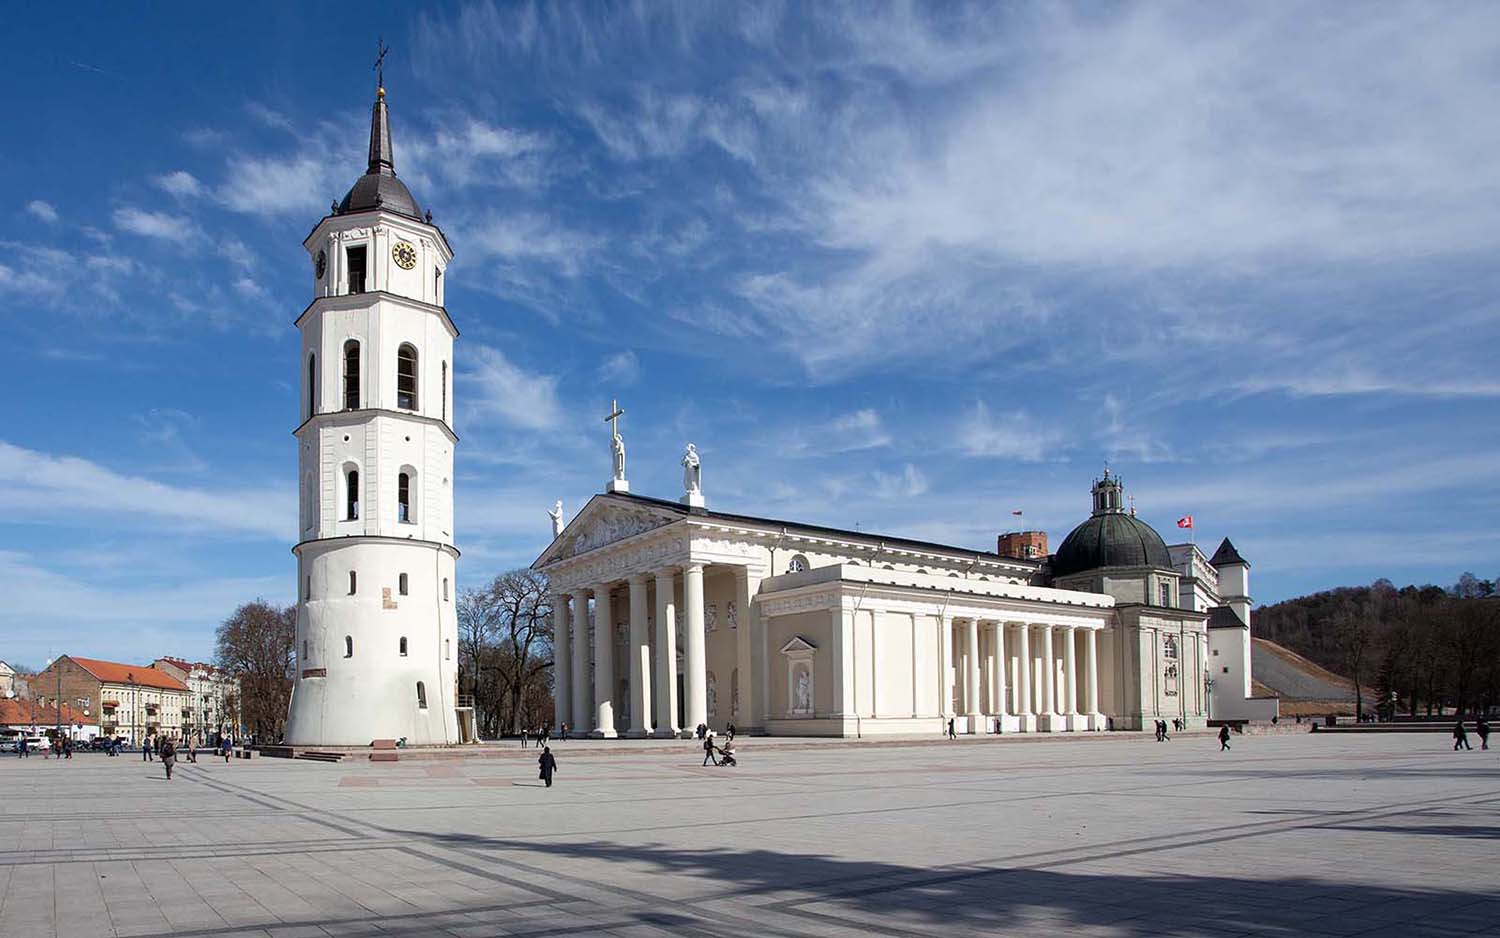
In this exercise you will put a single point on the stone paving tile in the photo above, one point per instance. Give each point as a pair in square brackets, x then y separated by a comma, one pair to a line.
[1118, 837]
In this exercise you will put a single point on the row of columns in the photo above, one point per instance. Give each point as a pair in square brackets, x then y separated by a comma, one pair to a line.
[990, 698]
[652, 684]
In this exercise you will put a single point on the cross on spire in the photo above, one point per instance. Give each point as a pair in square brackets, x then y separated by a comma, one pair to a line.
[615, 413]
[379, 67]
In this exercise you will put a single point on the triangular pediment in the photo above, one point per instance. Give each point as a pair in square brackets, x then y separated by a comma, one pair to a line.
[798, 646]
[603, 521]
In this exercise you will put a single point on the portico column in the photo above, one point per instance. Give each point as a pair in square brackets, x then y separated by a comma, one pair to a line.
[580, 713]
[1049, 672]
[604, 667]
[945, 640]
[747, 643]
[695, 662]
[640, 659]
[1023, 659]
[1070, 674]
[1006, 724]
[971, 693]
[666, 654]
[1092, 687]
[562, 660]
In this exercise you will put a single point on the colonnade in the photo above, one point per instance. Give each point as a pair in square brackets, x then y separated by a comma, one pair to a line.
[979, 656]
[590, 705]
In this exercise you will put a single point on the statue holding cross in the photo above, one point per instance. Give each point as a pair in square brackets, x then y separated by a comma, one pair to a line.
[617, 481]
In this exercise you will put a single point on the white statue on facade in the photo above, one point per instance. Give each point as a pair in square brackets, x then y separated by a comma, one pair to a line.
[556, 515]
[804, 692]
[732, 614]
[617, 448]
[713, 694]
[692, 472]
[711, 618]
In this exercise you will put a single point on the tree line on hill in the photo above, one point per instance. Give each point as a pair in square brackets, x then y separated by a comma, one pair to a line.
[1417, 649]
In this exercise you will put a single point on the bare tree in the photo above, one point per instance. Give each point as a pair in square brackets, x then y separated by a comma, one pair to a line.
[1355, 633]
[255, 645]
[505, 643]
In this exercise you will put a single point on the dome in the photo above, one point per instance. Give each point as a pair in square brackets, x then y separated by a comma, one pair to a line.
[379, 188]
[1111, 539]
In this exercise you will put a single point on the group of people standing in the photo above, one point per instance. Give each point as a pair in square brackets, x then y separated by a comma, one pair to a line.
[1461, 735]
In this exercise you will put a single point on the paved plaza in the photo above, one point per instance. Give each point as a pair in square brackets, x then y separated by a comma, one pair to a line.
[1286, 835]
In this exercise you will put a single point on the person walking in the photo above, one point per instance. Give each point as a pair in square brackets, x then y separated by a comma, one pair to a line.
[1460, 737]
[708, 748]
[952, 733]
[547, 764]
[192, 752]
[226, 745]
[1224, 738]
[1482, 727]
[562, 732]
[23, 751]
[525, 735]
[168, 756]
[146, 749]
[67, 749]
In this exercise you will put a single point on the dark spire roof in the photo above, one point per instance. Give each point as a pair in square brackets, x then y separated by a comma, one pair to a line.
[1226, 554]
[379, 188]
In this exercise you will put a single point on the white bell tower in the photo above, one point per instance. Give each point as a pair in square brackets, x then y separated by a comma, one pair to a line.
[377, 635]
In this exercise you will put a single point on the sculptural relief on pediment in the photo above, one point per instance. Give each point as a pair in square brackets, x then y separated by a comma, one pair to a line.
[615, 525]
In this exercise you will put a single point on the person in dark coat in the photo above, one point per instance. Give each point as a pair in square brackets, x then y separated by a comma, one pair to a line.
[708, 749]
[1224, 738]
[146, 749]
[1460, 737]
[525, 735]
[168, 756]
[1482, 727]
[952, 733]
[547, 765]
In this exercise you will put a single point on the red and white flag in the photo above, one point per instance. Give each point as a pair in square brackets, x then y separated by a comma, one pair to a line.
[1186, 521]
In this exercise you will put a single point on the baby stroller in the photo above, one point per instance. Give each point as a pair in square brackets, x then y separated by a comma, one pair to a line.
[726, 755]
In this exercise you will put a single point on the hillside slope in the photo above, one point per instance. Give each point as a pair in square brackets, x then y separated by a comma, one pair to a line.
[1293, 677]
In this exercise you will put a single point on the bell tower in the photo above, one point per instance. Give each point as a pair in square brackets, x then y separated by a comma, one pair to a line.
[376, 641]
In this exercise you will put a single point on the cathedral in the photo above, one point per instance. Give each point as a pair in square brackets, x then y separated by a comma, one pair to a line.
[668, 615]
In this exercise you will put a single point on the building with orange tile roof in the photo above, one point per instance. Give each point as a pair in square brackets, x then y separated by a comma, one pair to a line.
[130, 700]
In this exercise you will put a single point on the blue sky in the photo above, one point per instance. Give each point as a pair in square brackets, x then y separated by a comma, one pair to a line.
[898, 266]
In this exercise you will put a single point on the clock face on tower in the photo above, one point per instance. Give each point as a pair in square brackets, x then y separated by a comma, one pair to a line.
[322, 264]
[404, 255]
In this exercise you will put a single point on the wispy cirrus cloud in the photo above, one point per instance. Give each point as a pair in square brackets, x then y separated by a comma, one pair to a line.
[39, 209]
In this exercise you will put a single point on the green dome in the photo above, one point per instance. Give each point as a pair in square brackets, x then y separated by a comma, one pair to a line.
[1111, 539]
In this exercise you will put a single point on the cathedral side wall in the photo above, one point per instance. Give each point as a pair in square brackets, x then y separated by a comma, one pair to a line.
[816, 628]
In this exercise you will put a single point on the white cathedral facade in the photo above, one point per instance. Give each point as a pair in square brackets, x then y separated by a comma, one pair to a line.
[377, 635]
[667, 614]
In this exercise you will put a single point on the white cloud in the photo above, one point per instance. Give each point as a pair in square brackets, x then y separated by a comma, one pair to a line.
[42, 210]
[180, 183]
[622, 368]
[909, 483]
[476, 152]
[300, 184]
[1011, 436]
[857, 430]
[66, 490]
[502, 391]
[162, 225]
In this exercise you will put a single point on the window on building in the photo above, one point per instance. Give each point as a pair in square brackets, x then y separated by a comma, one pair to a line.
[798, 564]
[312, 384]
[445, 392]
[348, 646]
[447, 649]
[356, 267]
[353, 583]
[351, 375]
[401, 587]
[445, 589]
[1166, 594]
[304, 650]
[437, 287]
[351, 495]
[403, 497]
[406, 378]
[307, 589]
[421, 695]
[403, 646]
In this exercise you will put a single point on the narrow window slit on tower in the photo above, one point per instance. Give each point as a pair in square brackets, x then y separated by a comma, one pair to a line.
[356, 257]
[421, 695]
[403, 646]
[403, 498]
[351, 500]
[406, 378]
[352, 583]
[351, 375]
[401, 587]
[348, 646]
